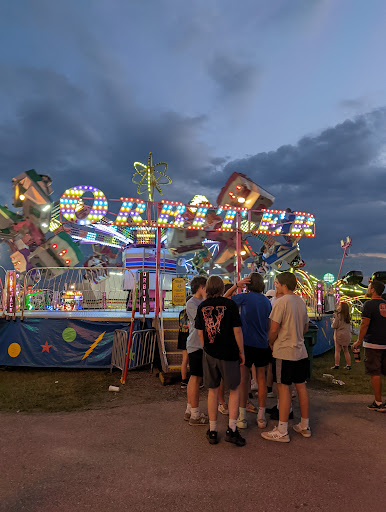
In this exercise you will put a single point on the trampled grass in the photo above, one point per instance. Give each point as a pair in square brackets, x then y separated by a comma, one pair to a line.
[60, 390]
[53, 390]
[356, 381]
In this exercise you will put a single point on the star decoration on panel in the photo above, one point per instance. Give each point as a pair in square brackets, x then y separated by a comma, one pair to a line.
[148, 178]
[46, 347]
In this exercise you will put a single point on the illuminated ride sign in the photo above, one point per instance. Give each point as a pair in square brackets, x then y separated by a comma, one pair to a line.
[144, 303]
[137, 214]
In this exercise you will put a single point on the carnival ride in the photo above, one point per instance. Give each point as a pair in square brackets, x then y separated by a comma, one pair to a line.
[162, 238]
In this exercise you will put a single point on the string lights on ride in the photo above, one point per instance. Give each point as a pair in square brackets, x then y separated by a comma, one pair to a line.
[173, 214]
[172, 209]
[127, 211]
[71, 202]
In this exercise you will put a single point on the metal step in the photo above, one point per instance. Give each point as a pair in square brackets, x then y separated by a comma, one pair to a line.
[174, 358]
[170, 335]
[175, 368]
[171, 345]
[171, 323]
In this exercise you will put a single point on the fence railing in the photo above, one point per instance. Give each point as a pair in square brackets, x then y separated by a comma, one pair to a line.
[141, 351]
[74, 289]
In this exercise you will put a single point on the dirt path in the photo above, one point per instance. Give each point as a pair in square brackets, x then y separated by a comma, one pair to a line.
[144, 457]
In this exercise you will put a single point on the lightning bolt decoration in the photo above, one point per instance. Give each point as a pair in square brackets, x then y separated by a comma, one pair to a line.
[88, 352]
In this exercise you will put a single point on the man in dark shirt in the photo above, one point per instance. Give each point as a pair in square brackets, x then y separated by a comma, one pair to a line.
[219, 327]
[373, 335]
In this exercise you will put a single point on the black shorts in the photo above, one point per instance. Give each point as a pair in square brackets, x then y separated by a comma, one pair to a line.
[217, 369]
[288, 372]
[375, 361]
[257, 356]
[195, 363]
[182, 337]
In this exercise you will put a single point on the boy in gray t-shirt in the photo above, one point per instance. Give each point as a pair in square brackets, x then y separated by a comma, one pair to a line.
[289, 323]
[194, 349]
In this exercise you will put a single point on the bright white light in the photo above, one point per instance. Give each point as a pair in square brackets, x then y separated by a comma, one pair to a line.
[243, 253]
[44, 225]
[22, 197]
[241, 199]
[46, 207]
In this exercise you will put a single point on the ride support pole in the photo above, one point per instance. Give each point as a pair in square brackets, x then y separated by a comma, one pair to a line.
[238, 246]
[123, 379]
[157, 274]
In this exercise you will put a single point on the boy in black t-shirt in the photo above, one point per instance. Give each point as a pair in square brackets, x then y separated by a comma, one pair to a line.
[373, 335]
[219, 328]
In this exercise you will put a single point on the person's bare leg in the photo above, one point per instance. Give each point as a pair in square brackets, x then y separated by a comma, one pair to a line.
[376, 383]
[284, 402]
[193, 391]
[221, 397]
[212, 403]
[347, 355]
[337, 354]
[303, 399]
[262, 385]
[234, 399]
[244, 386]
[184, 364]
[254, 373]
[269, 376]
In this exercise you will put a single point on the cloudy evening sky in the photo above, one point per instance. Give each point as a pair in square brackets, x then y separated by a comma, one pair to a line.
[290, 92]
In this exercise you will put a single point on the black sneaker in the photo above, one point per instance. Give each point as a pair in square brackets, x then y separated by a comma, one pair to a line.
[211, 436]
[234, 437]
[184, 383]
[274, 412]
[375, 407]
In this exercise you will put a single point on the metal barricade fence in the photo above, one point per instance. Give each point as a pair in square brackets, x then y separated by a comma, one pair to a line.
[141, 351]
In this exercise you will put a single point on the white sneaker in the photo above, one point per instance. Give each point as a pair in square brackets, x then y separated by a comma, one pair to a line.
[241, 423]
[271, 394]
[223, 408]
[305, 432]
[274, 435]
[261, 423]
[254, 386]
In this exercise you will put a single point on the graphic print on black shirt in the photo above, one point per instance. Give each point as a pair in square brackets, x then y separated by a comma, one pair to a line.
[212, 328]
[217, 317]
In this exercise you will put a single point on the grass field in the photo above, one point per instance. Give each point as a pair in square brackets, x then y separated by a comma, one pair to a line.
[356, 382]
[54, 390]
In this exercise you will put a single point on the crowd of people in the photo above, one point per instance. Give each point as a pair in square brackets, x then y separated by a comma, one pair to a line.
[229, 337]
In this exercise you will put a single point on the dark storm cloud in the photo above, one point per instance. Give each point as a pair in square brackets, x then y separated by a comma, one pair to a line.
[339, 175]
[63, 131]
[233, 76]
